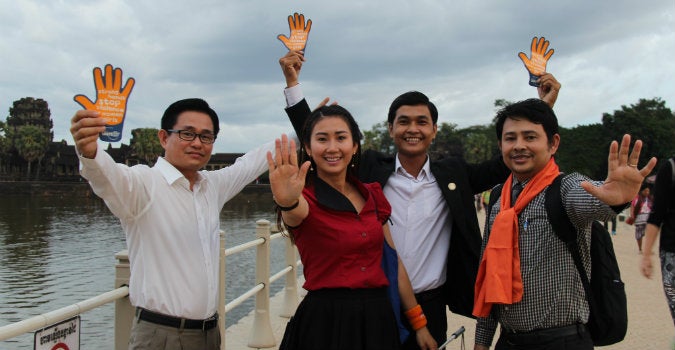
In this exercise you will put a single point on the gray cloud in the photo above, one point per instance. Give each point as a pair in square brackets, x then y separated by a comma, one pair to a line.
[463, 54]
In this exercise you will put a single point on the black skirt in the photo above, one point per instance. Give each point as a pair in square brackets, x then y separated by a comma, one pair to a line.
[342, 319]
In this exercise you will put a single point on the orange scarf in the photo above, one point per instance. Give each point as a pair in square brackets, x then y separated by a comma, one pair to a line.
[499, 280]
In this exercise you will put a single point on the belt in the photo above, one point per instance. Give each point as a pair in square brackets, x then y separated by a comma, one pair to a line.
[541, 335]
[176, 322]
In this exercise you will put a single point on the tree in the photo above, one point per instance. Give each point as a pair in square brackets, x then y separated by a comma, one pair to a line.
[31, 143]
[5, 147]
[648, 120]
[499, 104]
[145, 144]
[29, 125]
[378, 138]
[583, 149]
[480, 143]
[448, 142]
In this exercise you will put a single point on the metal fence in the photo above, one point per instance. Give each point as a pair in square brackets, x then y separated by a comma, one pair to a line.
[261, 334]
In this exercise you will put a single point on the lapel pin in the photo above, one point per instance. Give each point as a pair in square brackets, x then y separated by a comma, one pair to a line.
[452, 186]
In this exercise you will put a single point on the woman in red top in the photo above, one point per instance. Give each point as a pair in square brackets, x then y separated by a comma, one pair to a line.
[339, 227]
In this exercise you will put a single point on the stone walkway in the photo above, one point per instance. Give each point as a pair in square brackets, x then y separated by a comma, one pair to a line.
[649, 322]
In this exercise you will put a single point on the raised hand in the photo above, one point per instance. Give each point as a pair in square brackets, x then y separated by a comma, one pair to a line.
[111, 100]
[548, 89]
[536, 64]
[623, 177]
[85, 126]
[325, 102]
[291, 64]
[299, 32]
[286, 179]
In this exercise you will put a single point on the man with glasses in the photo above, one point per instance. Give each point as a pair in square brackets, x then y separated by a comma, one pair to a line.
[188, 135]
[170, 216]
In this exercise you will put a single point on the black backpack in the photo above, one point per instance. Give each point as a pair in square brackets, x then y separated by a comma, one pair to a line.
[605, 293]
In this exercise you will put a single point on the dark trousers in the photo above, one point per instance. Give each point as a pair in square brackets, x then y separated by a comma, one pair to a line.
[433, 306]
[574, 337]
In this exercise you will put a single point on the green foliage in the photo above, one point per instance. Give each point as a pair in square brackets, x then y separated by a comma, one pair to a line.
[378, 138]
[4, 140]
[480, 143]
[648, 120]
[499, 104]
[145, 144]
[583, 149]
[5, 147]
[27, 132]
[31, 143]
[448, 142]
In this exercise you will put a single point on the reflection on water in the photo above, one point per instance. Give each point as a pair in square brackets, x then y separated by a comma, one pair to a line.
[57, 251]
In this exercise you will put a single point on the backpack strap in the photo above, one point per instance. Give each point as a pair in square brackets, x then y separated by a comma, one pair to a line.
[495, 193]
[565, 230]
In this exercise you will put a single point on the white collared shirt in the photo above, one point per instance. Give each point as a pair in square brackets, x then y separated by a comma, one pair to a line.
[172, 233]
[420, 225]
[293, 95]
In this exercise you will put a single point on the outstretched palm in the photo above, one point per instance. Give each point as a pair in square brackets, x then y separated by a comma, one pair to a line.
[623, 177]
[286, 179]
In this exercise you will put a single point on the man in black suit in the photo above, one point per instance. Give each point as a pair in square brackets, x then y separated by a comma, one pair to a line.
[434, 223]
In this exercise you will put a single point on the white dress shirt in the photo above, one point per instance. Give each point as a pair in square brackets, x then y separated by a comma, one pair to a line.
[172, 233]
[420, 225]
[293, 95]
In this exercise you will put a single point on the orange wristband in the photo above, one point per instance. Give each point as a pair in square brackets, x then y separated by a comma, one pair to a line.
[414, 311]
[416, 317]
[419, 322]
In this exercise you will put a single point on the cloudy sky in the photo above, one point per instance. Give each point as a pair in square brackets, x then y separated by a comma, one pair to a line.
[462, 54]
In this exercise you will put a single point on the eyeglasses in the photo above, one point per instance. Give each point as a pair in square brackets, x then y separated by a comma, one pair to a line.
[187, 135]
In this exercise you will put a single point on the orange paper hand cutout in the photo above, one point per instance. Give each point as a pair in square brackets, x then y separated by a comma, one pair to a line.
[536, 65]
[299, 33]
[111, 100]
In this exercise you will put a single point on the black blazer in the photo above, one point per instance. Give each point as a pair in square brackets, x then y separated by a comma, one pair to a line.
[458, 181]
